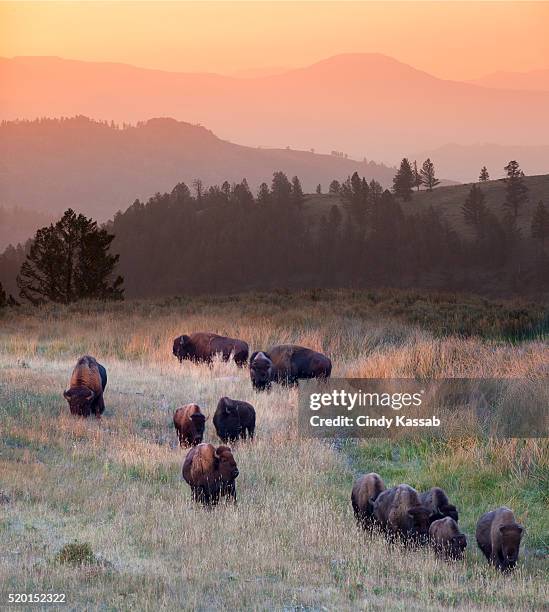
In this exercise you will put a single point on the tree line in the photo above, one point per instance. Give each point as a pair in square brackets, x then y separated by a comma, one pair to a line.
[223, 238]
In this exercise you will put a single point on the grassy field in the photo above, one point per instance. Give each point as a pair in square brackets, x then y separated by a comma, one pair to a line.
[291, 542]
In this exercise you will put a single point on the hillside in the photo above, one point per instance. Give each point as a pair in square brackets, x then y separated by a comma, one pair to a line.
[532, 80]
[351, 103]
[449, 200]
[50, 165]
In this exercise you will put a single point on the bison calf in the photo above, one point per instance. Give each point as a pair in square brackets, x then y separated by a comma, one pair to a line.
[498, 537]
[189, 422]
[234, 419]
[211, 473]
[400, 513]
[286, 364]
[204, 346]
[446, 539]
[85, 393]
[366, 490]
[437, 501]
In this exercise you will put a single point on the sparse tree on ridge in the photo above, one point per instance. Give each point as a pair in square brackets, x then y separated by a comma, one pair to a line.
[516, 190]
[319, 189]
[334, 188]
[474, 210]
[418, 181]
[428, 175]
[70, 261]
[484, 176]
[540, 224]
[404, 181]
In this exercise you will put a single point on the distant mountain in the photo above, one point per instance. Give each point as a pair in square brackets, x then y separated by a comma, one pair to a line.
[97, 168]
[18, 224]
[533, 80]
[463, 162]
[362, 104]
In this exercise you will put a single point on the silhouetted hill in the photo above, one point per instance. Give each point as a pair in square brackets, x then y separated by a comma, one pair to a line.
[97, 168]
[533, 80]
[363, 104]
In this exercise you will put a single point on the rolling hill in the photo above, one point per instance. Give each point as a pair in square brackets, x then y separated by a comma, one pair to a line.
[362, 104]
[50, 165]
[533, 80]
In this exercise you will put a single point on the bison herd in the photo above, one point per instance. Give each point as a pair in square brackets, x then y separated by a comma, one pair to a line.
[416, 519]
[400, 512]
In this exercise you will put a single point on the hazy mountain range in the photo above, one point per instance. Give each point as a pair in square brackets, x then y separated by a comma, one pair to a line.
[362, 104]
[533, 80]
[96, 168]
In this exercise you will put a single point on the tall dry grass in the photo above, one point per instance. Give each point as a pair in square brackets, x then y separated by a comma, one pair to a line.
[291, 542]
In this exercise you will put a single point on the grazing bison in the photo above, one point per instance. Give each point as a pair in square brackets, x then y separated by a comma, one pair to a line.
[400, 514]
[286, 364]
[189, 422]
[233, 418]
[498, 536]
[365, 492]
[203, 347]
[211, 473]
[85, 393]
[437, 501]
[446, 539]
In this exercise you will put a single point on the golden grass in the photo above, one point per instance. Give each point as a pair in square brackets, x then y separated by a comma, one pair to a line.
[291, 542]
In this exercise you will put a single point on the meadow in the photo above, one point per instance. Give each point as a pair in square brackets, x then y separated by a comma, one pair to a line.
[114, 486]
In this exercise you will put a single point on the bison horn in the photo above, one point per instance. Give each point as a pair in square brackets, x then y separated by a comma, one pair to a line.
[90, 396]
[66, 394]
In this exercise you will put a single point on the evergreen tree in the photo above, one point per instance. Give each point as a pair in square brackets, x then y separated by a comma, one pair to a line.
[516, 190]
[70, 261]
[474, 210]
[484, 176]
[3, 297]
[319, 189]
[418, 181]
[540, 224]
[297, 193]
[264, 195]
[404, 181]
[334, 187]
[281, 189]
[428, 175]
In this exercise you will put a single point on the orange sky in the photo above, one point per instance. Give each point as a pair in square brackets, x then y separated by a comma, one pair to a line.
[449, 39]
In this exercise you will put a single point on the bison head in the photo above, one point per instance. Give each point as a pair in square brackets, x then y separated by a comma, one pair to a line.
[261, 370]
[419, 516]
[226, 464]
[511, 536]
[182, 347]
[456, 546]
[198, 421]
[80, 400]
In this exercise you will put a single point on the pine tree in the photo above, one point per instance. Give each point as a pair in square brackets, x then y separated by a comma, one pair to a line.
[418, 181]
[428, 175]
[540, 224]
[3, 297]
[263, 195]
[319, 189]
[474, 210]
[70, 261]
[281, 189]
[334, 188]
[404, 181]
[297, 192]
[484, 176]
[516, 190]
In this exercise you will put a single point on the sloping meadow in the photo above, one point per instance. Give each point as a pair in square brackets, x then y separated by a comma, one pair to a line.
[291, 541]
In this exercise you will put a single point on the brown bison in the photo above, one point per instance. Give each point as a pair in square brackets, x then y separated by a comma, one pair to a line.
[211, 473]
[366, 490]
[85, 392]
[203, 347]
[189, 422]
[446, 539]
[437, 501]
[233, 419]
[401, 515]
[498, 536]
[286, 364]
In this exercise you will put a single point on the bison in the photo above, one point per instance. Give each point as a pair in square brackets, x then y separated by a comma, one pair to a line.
[446, 539]
[498, 537]
[189, 422]
[85, 392]
[286, 364]
[365, 492]
[437, 501]
[400, 514]
[211, 473]
[202, 347]
[233, 419]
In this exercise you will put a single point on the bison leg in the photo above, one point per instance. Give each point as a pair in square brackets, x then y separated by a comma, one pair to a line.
[99, 407]
[251, 432]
